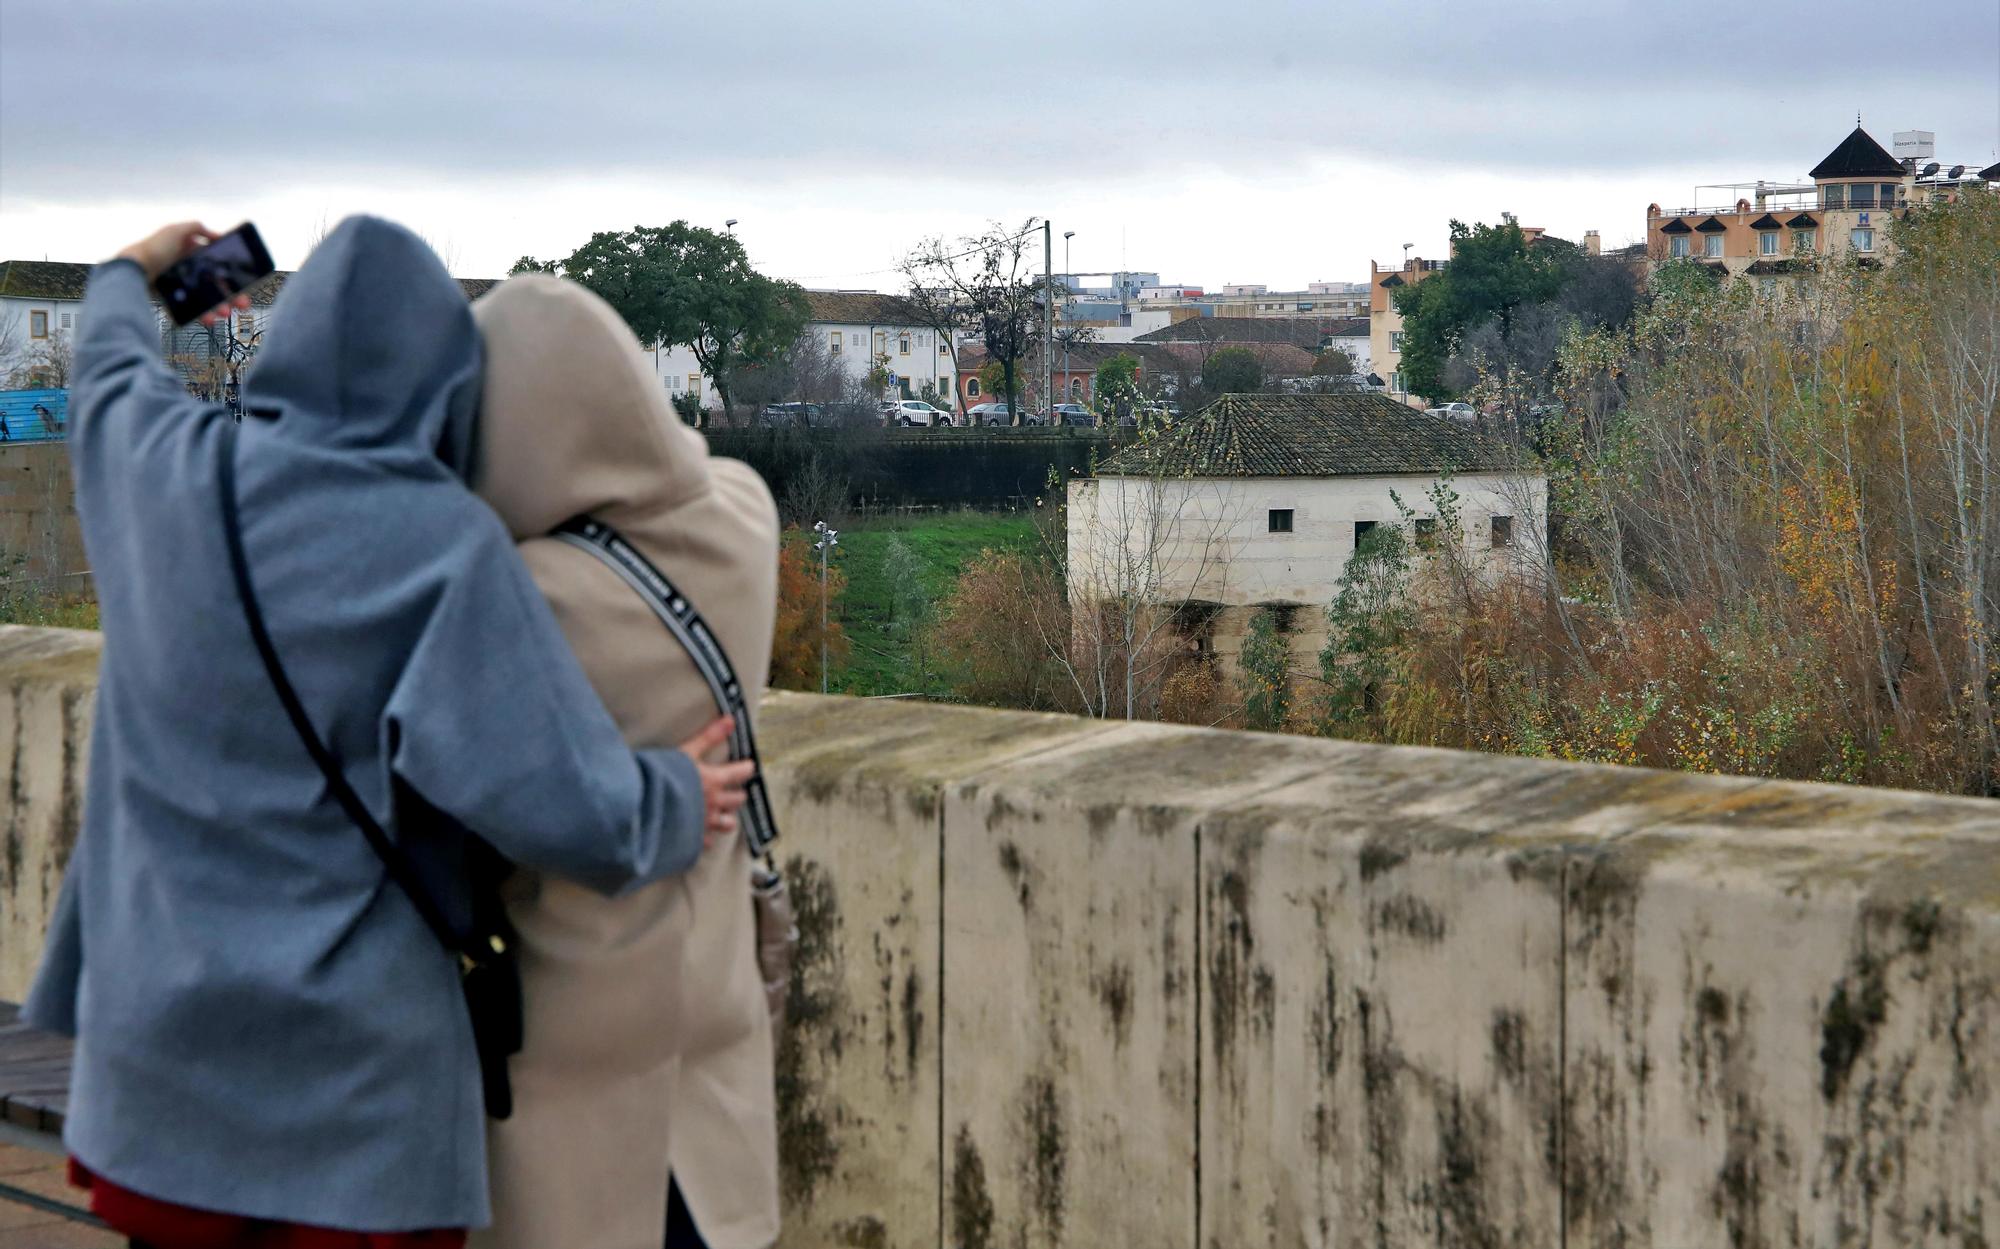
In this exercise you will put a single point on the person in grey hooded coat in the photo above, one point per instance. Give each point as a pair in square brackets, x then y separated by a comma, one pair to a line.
[264, 1025]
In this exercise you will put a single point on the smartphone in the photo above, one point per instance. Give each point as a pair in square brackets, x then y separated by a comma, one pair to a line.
[228, 266]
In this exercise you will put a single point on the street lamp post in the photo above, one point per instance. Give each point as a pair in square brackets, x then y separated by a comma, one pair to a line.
[1048, 320]
[1067, 236]
[827, 540]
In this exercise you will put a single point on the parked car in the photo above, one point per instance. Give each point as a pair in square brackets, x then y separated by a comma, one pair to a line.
[793, 415]
[913, 412]
[1454, 411]
[990, 414]
[1076, 415]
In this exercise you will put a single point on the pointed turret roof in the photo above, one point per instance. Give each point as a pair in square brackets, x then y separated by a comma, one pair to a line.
[1858, 156]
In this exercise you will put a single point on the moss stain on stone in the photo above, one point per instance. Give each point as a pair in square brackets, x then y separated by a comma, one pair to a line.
[1464, 1218]
[1229, 966]
[1379, 856]
[1113, 987]
[913, 1020]
[1017, 872]
[1858, 1005]
[1508, 1034]
[971, 1204]
[1048, 1153]
[807, 1151]
[1412, 917]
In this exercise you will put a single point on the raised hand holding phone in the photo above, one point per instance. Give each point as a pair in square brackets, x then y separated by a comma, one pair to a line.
[159, 253]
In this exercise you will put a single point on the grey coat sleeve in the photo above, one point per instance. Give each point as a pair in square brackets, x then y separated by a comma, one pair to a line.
[526, 755]
[123, 395]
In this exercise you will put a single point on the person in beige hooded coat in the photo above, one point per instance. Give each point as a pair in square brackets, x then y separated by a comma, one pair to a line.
[648, 1043]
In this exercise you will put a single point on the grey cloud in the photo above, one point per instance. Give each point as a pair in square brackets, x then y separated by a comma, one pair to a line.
[115, 97]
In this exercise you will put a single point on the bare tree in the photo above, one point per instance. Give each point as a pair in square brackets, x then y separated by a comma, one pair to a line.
[49, 361]
[11, 339]
[986, 283]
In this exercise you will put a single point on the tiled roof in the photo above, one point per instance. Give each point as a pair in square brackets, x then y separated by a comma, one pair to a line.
[1278, 359]
[63, 279]
[1676, 226]
[1306, 331]
[43, 279]
[1991, 173]
[1802, 222]
[861, 308]
[1767, 222]
[1710, 226]
[1334, 435]
[1858, 156]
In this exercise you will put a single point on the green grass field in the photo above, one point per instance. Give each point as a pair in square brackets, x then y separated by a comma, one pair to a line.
[884, 659]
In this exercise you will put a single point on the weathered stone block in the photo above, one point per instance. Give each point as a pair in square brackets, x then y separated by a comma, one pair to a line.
[858, 800]
[1071, 967]
[1783, 1017]
[47, 695]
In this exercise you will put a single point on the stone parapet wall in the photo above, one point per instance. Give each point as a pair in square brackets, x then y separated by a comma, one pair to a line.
[1065, 982]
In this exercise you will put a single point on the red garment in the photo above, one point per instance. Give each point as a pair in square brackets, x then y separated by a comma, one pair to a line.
[164, 1225]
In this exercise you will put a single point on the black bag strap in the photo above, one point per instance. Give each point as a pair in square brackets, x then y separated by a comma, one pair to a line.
[679, 614]
[398, 864]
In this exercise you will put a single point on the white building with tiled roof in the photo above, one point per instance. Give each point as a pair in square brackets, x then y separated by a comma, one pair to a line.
[1260, 501]
[858, 329]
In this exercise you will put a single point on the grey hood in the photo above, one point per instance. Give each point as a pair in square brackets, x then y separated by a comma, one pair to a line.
[376, 351]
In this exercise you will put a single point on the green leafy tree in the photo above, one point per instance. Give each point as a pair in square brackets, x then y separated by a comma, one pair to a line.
[682, 284]
[1117, 386]
[1368, 621]
[1232, 371]
[1493, 271]
[1266, 664]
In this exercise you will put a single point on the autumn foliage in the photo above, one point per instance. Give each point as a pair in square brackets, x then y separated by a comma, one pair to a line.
[1777, 516]
[795, 646]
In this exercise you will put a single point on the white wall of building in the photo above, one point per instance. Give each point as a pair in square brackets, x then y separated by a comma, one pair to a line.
[20, 317]
[915, 353]
[1211, 540]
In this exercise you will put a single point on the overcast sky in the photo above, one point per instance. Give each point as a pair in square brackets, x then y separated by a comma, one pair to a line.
[1274, 141]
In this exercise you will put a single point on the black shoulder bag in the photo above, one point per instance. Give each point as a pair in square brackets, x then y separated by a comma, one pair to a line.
[483, 940]
[771, 902]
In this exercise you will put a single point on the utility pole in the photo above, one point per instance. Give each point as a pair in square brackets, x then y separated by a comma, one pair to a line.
[1048, 320]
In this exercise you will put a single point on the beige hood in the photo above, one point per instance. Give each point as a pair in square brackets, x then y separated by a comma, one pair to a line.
[572, 420]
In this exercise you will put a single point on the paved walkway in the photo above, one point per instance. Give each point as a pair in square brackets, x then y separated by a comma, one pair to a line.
[25, 1226]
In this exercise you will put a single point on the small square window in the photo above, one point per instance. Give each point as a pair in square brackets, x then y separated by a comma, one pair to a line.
[1281, 520]
[67, 319]
[1427, 533]
[1802, 240]
[1711, 246]
[1503, 531]
[1767, 243]
[1362, 528]
[1863, 239]
[1395, 340]
[1677, 247]
[1833, 195]
[1861, 195]
[38, 325]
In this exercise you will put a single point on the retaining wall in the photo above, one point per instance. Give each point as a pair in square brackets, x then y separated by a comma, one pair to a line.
[39, 537]
[1073, 983]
